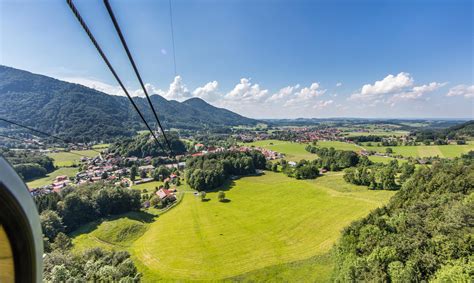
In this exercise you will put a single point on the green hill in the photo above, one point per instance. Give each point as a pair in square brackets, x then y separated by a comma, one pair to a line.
[75, 111]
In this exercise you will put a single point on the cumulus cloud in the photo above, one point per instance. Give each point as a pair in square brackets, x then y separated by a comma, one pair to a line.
[247, 91]
[305, 95]
[338, 84]
[322, 104]
[388, 85]
[208, 91]
[416, 92]
[462, 90]
[177, 90]
[283, 93]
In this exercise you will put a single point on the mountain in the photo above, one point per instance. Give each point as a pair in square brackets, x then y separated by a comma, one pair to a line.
[78, 112]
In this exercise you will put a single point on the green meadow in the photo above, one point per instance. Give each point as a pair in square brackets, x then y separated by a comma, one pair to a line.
[444, 151]
[66, 159]
[296, 151]
[271, 228]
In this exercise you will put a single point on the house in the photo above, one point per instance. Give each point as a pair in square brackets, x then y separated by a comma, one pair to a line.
[146, 168]
[198, 146]
[292, 163]
[61, 178]
[165, 194]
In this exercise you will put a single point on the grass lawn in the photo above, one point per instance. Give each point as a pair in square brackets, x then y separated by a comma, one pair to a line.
[150, 186]
[293, 151]
[64, 159]
[384, 159]
[446, 151]
[339, 145]
[272, 227]
[68, 171]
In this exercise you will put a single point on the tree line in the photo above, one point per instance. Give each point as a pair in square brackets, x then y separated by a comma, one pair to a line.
[332, 159]
[210, 171]
[423, 234]
[28, 164]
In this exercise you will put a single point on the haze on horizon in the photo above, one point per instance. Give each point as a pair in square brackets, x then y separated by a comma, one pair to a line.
[384, 59]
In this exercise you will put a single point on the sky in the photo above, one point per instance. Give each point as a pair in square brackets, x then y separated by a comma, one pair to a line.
[262, 58]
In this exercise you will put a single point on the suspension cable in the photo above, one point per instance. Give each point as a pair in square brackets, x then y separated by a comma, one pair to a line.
[135, 69]
[112, 70]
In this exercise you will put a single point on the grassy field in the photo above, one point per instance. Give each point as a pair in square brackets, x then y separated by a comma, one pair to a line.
[101, 146]
[293, 151]
[446, 151]
[65, 159]
[272, 227]
[296, 151]
[376, 133]
[384, 159]
[68, 171]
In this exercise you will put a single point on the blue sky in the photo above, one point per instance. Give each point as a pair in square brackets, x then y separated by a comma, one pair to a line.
[263, 59]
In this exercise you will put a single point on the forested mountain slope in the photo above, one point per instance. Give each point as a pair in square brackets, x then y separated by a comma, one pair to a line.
[76, 111]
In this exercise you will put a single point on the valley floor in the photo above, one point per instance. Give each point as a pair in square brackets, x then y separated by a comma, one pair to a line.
[271, 227]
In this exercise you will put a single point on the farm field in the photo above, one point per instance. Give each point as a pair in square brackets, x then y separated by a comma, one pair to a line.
[101, 146]
[272, 225]
[385, 159]
[376, 133]
[339, 145]
[68, 171]
[65, 159]
[446, 151]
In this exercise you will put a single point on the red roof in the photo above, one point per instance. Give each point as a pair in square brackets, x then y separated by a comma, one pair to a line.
[197, 154]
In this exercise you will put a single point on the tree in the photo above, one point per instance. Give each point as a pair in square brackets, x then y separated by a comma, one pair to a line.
[51, 224]
[221, 196]
[202, 195]
[388, 150]
[104, 175]
[133, 172]
[143, 174]
[62, 242]
[166, 185]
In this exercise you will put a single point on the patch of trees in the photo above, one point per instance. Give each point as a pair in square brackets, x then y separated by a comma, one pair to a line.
[28, 164]
[458, 132]
[302, 170]
[369, 138]
[334, 160]
[93, 265]
[379, 176]
[144, 145]
[77, 206]
[210, 171]
[423, 234]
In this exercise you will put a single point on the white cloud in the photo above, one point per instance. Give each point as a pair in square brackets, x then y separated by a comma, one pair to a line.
[208, 91]
[416, 92]
[390, 84]
[283, 93]
[338, 84]
[322, 104]
[462, 90]
[177, 90]
[305, 95]
[246, 91]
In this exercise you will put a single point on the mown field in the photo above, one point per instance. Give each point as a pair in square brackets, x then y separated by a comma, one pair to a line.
[296, 151]
[272, 227]
[66, 159]
[444, 151]
[68, 171]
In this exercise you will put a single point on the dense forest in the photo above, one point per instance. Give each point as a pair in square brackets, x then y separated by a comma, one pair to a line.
[28, 164]
[332, 159]
[83, 114]
[210, 171]
[424, 233]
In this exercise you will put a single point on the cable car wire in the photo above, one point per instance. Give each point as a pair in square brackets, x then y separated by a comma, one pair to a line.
[172, 37]
[135, 69]
[112, 70]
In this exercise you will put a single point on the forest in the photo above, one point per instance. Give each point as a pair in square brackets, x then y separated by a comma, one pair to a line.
[28, 164]
[425, 231]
